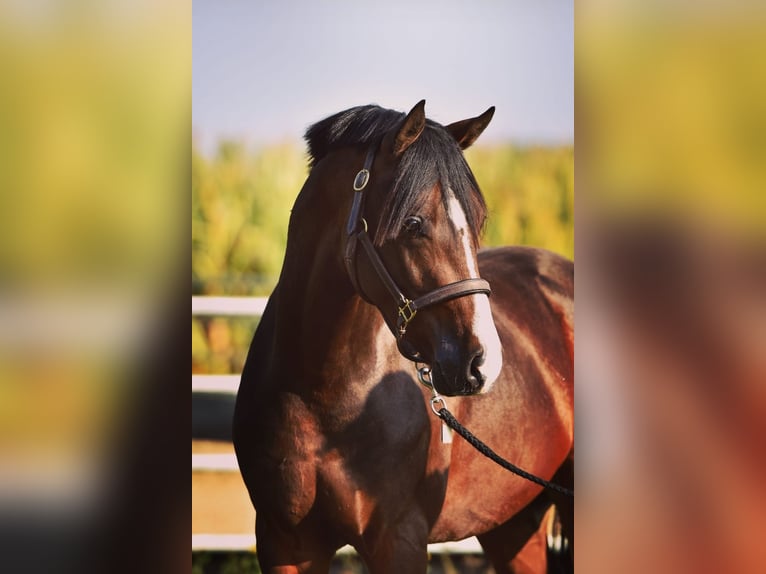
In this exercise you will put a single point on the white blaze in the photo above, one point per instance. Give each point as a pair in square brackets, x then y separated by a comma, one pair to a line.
[483, 324]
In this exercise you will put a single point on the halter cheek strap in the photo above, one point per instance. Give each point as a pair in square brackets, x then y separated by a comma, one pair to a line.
[356, 225]
[356, 233]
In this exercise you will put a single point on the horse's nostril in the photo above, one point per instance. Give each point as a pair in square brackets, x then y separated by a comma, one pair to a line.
[475, 378]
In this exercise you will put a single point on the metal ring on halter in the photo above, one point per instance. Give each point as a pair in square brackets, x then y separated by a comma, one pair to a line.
[361, 179]
[437, 399]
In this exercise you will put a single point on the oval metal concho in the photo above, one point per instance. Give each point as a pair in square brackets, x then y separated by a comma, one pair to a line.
[361, 179]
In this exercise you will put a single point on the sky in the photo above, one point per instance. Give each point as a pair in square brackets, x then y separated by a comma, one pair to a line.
[263, 71]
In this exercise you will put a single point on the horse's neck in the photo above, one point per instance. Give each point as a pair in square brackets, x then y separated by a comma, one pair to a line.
[323, 329]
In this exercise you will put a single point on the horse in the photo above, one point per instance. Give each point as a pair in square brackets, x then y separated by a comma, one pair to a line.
[332, 430]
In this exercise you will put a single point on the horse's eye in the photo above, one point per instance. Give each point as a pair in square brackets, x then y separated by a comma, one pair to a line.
[413, 225]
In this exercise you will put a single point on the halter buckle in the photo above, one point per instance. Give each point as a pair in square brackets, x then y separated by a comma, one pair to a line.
[406, 314]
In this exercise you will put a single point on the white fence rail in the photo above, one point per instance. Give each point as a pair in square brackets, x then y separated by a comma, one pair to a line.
[246, 543]
[225, 384]
[229, 306]
[215, 384]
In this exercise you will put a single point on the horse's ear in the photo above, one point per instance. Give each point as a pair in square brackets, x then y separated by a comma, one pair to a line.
[465, 132]
[411, 128]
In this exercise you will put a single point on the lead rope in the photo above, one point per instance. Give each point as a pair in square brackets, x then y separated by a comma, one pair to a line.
[424, 375]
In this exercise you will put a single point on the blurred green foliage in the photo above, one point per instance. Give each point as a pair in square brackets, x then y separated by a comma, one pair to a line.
[241, 201]
[92, 132]
[530, 195]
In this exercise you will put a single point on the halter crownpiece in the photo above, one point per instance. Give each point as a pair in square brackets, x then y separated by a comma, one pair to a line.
[356, 231]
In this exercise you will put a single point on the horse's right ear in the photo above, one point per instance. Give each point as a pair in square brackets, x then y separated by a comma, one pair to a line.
[411, 128]
[465, 132]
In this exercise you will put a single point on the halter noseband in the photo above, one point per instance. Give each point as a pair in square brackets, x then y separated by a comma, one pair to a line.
[356, 233]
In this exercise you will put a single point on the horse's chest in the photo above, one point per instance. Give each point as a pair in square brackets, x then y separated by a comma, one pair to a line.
[300, 468]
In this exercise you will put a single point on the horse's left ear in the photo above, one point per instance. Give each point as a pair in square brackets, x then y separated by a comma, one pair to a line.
[465, 132]
[411, 128]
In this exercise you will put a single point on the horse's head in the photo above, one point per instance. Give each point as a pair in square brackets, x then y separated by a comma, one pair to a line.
[412, 242]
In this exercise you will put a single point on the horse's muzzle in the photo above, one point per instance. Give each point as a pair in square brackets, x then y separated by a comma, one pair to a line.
[457, 374]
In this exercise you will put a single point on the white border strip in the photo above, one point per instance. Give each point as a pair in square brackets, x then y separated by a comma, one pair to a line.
[229, 306]
[246, 543]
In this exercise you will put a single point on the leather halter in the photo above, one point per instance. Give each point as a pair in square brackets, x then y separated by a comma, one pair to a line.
[356, 233]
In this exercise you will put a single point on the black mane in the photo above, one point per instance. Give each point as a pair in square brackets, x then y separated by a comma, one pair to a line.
[434, 158]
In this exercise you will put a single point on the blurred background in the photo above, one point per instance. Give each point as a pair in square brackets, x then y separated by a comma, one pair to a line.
[671, 286]
[94, 173]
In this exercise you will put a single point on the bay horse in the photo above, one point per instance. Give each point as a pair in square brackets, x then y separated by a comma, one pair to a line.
[332, 430]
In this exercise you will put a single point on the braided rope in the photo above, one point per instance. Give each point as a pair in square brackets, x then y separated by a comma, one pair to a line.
[452, 422]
